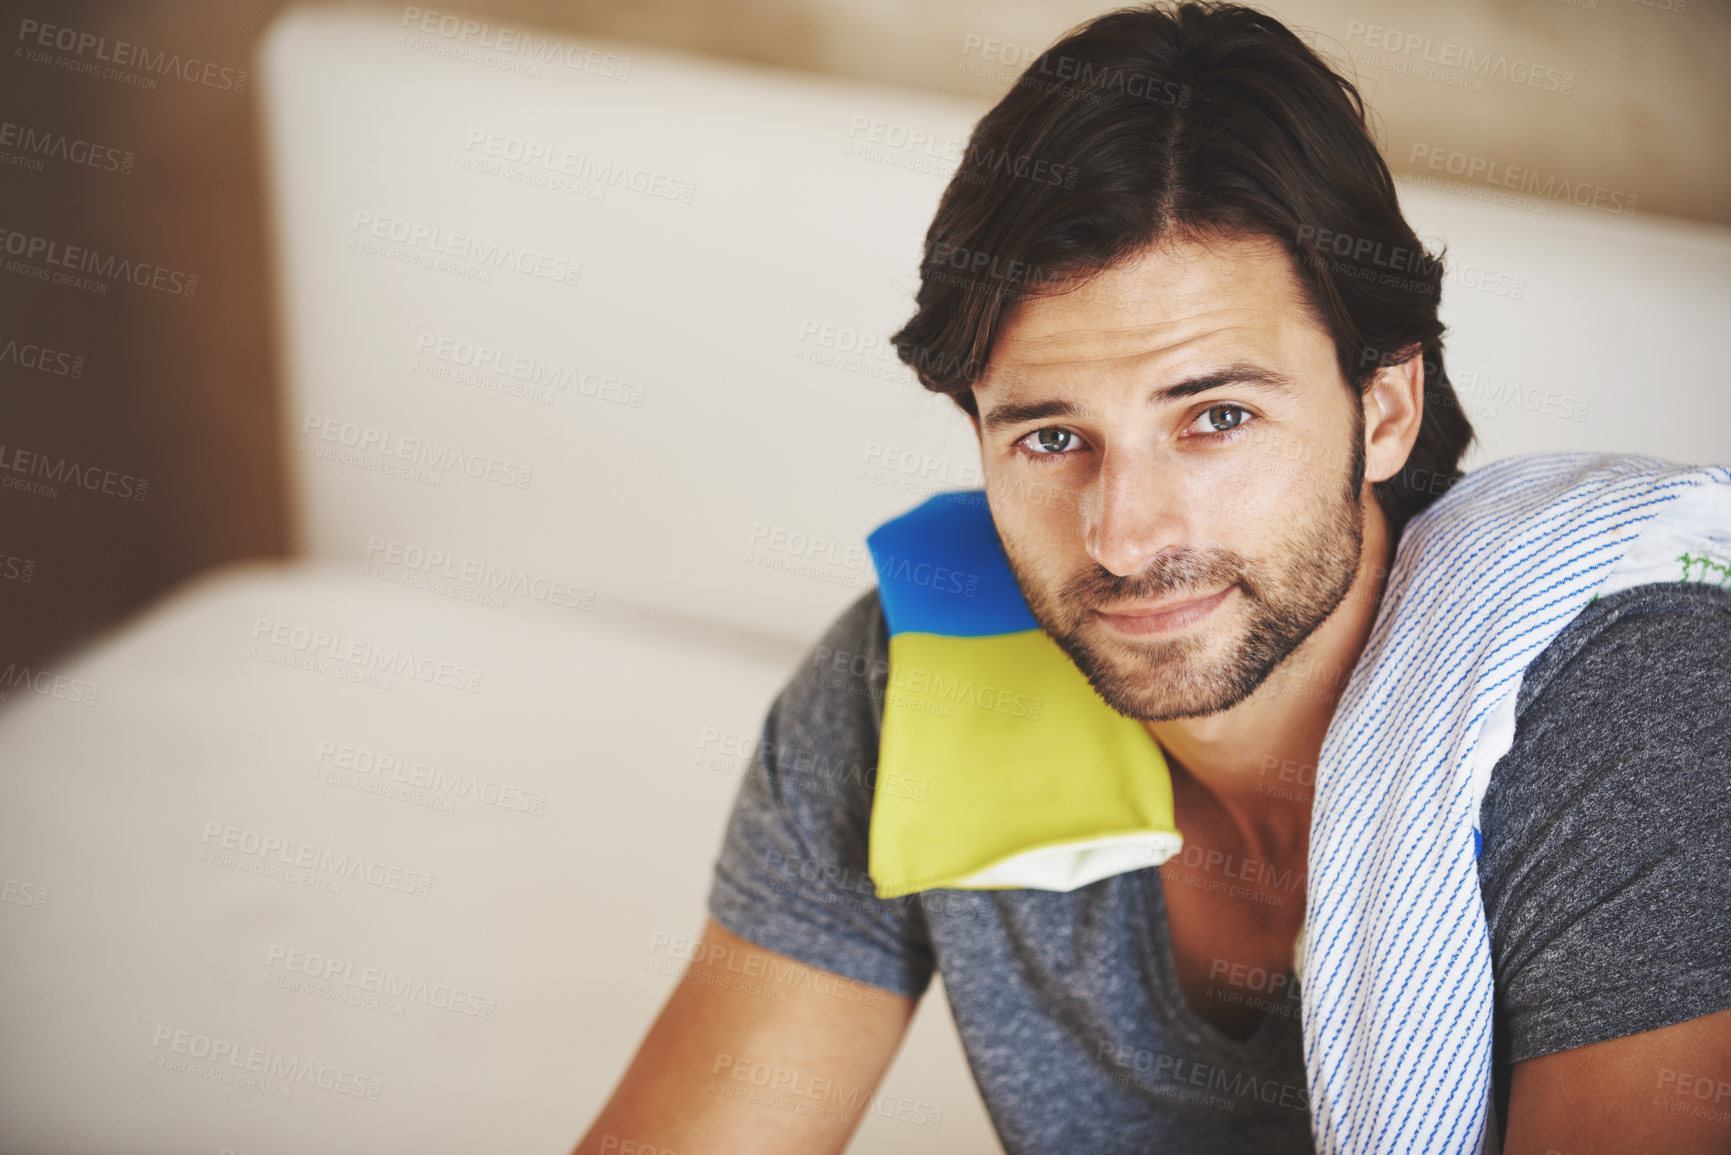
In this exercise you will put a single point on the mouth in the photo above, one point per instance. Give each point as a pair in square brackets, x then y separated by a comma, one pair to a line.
[1163, 617]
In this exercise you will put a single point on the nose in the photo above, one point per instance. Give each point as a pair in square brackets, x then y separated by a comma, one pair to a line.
[1135, 508]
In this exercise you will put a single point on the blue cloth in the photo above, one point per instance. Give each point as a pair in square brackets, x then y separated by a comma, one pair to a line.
[941, 569]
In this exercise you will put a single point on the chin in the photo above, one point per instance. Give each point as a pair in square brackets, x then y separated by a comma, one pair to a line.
[1158, 679]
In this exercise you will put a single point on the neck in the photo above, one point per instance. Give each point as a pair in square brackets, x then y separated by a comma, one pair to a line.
[1253, 768]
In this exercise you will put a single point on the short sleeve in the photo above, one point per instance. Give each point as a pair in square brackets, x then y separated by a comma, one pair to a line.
[1606, 868]
[791, 876]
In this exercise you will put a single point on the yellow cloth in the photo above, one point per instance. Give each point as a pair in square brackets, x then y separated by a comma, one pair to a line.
[1029, 778]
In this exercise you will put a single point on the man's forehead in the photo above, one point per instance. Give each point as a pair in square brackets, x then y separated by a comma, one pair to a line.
[1172, 301]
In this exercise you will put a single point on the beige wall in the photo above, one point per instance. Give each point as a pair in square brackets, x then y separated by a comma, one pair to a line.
[180, 391]
[1649, 115]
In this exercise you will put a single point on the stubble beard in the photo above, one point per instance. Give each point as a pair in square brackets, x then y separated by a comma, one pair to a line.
[1157, 679]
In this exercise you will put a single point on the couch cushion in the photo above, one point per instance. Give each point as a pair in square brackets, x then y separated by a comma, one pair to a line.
[270, 814]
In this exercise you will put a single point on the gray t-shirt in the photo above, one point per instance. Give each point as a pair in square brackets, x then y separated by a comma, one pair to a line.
[1607, 832]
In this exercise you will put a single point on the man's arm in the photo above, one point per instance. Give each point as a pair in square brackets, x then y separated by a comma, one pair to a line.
[724, 1044]
[1664, 1090]
[1605, 883]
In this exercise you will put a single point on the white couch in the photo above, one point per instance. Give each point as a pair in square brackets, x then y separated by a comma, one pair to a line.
[494, 781]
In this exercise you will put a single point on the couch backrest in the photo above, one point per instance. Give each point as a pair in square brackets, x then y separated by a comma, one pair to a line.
[598, 318]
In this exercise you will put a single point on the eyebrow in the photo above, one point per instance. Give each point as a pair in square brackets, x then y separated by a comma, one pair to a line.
[1250, 376]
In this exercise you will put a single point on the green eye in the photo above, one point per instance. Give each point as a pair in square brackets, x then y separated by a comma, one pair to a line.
[1050, 442]
[1224, 418]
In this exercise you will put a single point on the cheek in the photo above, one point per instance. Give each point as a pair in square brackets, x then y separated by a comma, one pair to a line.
[1238, 489]
[1256, 503]
[1031, 500]
[1038, 528]
[1285, 467]
[1022, 524]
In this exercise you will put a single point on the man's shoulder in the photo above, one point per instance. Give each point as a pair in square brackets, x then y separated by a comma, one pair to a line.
[1618, 720]
[862, 623]
[1640, 645]
[842, 676]
[820, 748]
[1639, 671]
[792, 873]
[1606, 823]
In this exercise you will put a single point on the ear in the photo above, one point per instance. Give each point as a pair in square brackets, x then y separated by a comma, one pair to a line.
[1393, 410]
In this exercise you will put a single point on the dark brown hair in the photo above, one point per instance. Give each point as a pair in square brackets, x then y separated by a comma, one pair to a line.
[1201, 120]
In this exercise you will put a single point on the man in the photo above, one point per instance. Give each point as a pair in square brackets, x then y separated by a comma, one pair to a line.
[1206, 420]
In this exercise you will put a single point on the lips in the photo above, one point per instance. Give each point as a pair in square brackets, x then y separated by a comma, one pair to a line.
[1164, 616]
[1161, 607]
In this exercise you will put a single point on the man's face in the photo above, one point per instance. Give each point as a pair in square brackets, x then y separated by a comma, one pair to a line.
[1176, 470]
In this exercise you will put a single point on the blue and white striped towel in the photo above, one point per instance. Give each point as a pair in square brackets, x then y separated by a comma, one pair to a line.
[1395, 958]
